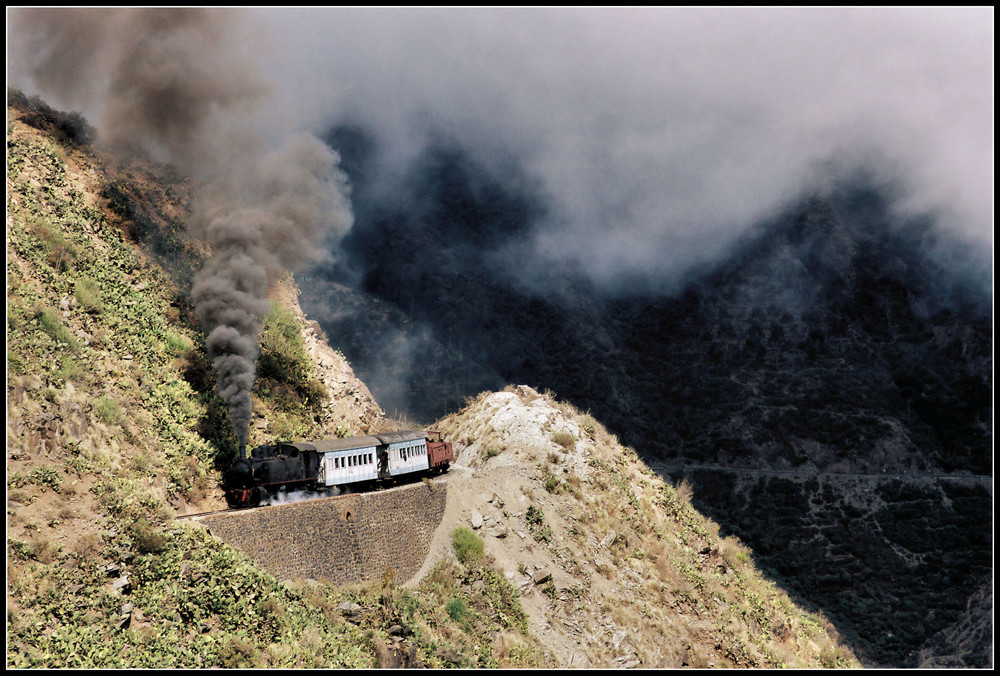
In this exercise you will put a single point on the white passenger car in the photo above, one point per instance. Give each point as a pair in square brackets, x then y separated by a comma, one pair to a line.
[346, 461]
[407, 451]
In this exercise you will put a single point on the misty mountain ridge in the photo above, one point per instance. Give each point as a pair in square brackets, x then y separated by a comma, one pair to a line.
[816, 386]
[837, 311]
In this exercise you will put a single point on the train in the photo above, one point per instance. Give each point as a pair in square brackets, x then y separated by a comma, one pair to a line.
[378, 459]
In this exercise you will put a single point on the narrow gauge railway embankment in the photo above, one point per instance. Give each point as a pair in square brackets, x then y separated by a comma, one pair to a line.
[344, 539]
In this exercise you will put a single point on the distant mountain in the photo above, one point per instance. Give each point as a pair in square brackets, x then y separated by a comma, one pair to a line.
[829, 336]
[838, 340]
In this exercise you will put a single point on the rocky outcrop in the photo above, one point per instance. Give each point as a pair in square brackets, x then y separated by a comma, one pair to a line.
[969, 642]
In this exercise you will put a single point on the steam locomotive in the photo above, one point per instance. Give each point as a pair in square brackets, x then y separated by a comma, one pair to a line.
[316, 465]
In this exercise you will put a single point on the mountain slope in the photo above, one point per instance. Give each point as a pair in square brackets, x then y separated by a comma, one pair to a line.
[113, 429]
[616, 568]
[839, 338]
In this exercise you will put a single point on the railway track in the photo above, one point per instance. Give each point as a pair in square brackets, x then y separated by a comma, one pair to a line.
[377, 489]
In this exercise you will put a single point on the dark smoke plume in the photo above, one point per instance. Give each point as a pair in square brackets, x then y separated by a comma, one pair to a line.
[181, 85]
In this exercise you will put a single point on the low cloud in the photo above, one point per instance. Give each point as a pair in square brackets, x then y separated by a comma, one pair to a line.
[660, 134]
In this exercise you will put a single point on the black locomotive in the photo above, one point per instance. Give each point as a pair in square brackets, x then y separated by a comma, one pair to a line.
[316, 465]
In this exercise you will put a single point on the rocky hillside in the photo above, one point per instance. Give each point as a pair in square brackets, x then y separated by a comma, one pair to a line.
[588, 558]
[615, 568]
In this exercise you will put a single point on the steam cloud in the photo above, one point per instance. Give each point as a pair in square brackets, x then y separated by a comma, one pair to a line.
[183, 86]
[660, 134]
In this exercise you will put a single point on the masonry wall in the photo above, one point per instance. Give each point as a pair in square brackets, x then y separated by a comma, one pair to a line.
[349, 538]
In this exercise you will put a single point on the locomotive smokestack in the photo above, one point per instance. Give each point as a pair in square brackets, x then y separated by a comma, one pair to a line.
[243, 452]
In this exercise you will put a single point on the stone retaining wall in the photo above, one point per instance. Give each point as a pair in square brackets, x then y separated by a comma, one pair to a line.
[349, 538]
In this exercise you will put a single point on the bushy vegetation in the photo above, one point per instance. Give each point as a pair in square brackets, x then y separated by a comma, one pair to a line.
[285, 376]
[193, 603]
[283, 357]
[468, 546]
[71, 126]
[51, 324]
[477, 600]
[88, 295]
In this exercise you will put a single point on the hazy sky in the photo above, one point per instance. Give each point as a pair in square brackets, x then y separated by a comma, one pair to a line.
[658, 133]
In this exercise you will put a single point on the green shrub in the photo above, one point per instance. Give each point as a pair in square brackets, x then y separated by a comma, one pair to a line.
[468, 546]
[551, 483]
[20, 550]
[238, 653]
[536, 524]
[69, 369]
[51, 324]
[15, 364]
[282, 353]
[176, 345]
[457, 609]
[108, 410]
[88, 295]
[147, 538]
[315, 393]
[59, 252]
[43, 476]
